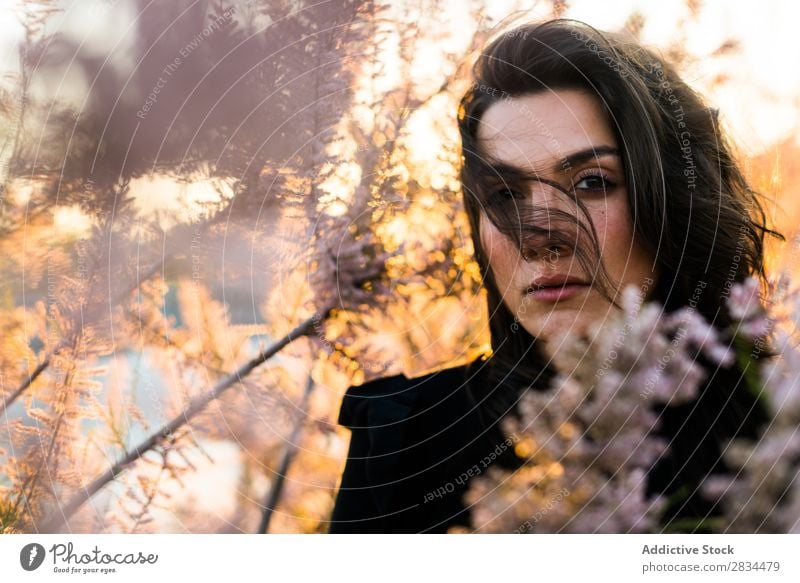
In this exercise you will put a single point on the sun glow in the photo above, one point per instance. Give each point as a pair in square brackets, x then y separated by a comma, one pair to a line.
[70, 221]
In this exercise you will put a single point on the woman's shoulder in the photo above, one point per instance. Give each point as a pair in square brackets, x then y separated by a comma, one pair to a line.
[400, 392]
[411, 438]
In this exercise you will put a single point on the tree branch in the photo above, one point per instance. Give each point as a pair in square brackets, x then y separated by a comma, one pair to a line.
[289, 452]
[195, 406]
[9, 400]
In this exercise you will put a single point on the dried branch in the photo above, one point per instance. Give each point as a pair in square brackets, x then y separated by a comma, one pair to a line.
[195, 406]
[25, 383]
[28, 381]
[289, 451]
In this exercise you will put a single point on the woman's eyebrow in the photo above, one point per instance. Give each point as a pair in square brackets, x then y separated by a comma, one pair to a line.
[581, 156]
[576, 158]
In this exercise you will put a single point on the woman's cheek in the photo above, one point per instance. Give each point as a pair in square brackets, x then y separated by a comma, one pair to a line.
[503, 258]
[623, 256]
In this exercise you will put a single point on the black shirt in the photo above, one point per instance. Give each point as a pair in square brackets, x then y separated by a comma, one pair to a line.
[412, 439]
[415, 441]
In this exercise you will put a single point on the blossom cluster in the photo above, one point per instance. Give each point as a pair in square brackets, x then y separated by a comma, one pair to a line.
[589, 439]
[763, 493]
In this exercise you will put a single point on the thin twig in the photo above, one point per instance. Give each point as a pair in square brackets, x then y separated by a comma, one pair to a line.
[287, 457]
[42, 366]
[195, 406]
[25, 384]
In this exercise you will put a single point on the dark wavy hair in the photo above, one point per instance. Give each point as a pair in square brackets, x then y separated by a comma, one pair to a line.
[692, 207]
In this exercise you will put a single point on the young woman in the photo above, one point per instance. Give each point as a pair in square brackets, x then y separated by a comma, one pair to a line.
[588, 165]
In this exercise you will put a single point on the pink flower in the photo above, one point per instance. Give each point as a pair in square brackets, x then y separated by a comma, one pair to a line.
[591, 433]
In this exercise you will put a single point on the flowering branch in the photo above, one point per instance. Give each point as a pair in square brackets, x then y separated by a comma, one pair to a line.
[588, 438]
[344, 277]
[42, 366]
[764, 494]
[195, 406]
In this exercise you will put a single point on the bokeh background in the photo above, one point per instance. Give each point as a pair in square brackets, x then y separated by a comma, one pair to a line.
[177, 176]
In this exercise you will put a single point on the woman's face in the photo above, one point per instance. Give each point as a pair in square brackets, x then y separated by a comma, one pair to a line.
[564, 137]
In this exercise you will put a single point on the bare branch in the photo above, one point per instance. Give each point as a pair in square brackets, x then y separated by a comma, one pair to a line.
[195, 406]
[289, 452]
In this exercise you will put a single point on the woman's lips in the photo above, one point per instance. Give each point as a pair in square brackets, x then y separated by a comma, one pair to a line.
[556, 293]
[553, 288]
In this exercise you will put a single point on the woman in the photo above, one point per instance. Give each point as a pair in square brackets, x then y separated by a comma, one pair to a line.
[588, 165]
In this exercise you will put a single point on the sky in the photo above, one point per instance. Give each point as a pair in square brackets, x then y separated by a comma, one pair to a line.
[762, 100]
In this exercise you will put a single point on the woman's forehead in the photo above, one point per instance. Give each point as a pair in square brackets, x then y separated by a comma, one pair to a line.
[535, 131]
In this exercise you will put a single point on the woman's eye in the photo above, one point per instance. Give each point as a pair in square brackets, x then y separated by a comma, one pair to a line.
[594, 183]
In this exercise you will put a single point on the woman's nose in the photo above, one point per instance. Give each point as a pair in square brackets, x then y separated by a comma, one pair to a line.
[551, 229]
[545, 247]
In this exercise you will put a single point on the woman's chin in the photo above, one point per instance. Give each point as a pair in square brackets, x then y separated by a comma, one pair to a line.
[555, 330]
